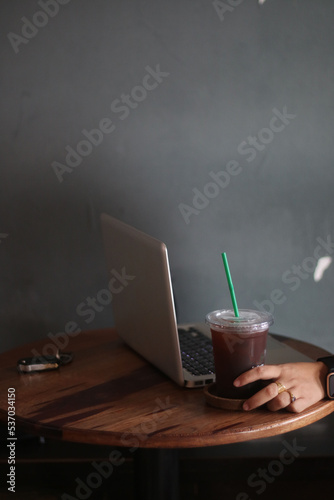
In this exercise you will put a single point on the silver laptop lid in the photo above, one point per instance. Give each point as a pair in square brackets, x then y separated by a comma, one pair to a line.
[143, 310]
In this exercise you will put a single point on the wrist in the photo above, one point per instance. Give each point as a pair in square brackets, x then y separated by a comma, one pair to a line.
[322, 373]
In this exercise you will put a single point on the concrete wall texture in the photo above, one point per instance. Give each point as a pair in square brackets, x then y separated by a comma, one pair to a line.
[206, 124]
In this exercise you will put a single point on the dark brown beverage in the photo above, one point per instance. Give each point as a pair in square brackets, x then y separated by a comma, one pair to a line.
[234, 354]
[239, 344]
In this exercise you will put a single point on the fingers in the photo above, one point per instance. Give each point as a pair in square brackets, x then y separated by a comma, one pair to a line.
[267, 394]
[292, 386]
[265, 372]
[274, 401]
[262, 397]
[282, 401]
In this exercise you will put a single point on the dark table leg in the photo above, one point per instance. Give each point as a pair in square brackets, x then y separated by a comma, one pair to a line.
[156, 473]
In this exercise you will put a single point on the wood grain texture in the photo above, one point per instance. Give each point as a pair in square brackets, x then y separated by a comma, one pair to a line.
[109, 395]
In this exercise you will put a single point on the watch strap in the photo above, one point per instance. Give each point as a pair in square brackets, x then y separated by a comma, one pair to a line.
[329, 362]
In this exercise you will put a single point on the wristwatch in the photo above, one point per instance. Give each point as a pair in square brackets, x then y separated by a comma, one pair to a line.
[329, 362]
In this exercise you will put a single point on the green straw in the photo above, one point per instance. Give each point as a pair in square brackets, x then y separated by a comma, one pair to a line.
[230, 285]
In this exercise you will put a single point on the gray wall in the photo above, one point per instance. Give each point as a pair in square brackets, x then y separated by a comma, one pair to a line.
[225, 77]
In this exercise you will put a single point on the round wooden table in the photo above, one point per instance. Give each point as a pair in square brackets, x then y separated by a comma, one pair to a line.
[110, 395]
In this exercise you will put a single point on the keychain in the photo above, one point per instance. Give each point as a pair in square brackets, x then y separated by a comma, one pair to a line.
[44, 363]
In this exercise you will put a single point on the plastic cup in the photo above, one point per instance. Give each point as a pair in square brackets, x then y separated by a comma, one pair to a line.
[239, 344]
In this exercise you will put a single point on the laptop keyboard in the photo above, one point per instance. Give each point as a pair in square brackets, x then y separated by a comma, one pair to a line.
[196, 352]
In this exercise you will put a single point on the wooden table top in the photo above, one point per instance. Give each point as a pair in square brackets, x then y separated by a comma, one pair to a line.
[109, 395]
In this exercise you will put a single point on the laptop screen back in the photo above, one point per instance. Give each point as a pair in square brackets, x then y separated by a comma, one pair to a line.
[143, 308]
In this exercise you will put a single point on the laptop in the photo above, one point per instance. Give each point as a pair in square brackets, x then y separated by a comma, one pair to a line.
[144, 311]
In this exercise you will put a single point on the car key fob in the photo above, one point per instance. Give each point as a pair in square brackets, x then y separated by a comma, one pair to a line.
[43, 363]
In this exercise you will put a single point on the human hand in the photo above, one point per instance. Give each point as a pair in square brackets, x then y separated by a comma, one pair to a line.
[303, 381]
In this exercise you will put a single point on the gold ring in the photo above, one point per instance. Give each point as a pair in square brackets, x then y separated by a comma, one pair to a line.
[292, 397]
[281, 387]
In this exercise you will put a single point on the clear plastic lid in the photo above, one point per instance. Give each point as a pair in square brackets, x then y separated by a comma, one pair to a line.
[248, 320]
